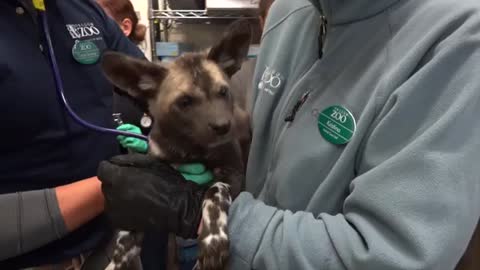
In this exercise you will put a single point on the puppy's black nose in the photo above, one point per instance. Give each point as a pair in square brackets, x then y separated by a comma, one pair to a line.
[220, 128]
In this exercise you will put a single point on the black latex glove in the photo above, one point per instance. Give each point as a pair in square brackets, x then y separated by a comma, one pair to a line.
[142, 194]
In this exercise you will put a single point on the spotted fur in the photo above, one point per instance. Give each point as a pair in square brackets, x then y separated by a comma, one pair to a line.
[128, 246]
[196, 119]
[213, 238]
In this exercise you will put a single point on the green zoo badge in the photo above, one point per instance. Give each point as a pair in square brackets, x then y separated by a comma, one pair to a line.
[85, 52]
[336, 124]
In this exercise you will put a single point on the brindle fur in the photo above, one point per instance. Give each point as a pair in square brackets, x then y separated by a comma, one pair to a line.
[196, 119]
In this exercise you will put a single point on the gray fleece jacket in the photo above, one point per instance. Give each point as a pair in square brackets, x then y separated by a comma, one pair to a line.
[404, 192]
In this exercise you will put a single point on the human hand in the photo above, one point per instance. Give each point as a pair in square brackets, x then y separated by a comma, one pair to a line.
[142, 193]
[135, 144]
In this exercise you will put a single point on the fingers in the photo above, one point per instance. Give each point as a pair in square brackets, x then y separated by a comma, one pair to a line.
[128, 142]
[129, 128]
[135, 144]
[126, 127]
[133, 160]
[145, 163]
[106, 173]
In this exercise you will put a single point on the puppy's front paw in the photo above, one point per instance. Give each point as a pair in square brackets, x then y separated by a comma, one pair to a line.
[213, 238]
[127, 247]
[213, 254]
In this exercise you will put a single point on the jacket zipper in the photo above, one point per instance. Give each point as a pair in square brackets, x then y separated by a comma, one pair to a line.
[291, 116]
[322, 39]
[322, 36]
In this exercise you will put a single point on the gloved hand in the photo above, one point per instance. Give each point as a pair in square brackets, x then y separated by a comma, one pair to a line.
[142, 194]
[135, 144]
[195, 172]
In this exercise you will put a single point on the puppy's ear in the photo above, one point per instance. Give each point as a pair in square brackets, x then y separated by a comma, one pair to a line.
[138, 78]
[230, 52]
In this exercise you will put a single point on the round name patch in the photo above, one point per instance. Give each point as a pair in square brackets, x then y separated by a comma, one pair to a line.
[85, 52]
[336, 124]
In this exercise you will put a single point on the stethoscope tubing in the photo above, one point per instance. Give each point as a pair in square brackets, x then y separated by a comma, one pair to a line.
[61, 93]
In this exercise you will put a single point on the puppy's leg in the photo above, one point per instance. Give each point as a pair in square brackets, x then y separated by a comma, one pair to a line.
[213, 239]
[127, 248]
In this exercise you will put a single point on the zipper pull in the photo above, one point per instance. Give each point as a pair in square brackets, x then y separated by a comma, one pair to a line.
[291, 116]
[323, 35]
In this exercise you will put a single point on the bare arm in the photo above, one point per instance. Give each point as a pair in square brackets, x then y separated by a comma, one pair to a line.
[32, 219]
[80, 202]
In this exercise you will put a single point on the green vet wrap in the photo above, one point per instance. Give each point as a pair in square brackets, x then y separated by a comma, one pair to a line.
[196, 172]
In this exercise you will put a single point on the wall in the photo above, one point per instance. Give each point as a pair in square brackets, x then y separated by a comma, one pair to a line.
[199, 35]
[141, 6]
[203, 35]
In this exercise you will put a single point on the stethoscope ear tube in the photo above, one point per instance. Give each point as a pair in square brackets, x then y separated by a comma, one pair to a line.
[60, 91]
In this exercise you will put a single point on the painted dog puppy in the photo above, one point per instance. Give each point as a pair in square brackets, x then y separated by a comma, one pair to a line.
[196, 119]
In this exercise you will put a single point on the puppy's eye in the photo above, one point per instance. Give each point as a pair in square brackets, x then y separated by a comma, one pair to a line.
[184, 102]
[223, 91]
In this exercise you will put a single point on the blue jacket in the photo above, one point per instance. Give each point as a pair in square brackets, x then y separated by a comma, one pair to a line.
[41, 146]
[404, 192]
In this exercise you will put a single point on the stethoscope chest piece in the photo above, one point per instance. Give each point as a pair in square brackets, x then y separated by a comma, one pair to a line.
[146, 121]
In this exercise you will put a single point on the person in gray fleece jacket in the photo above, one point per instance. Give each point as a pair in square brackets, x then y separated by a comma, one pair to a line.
[366, 139]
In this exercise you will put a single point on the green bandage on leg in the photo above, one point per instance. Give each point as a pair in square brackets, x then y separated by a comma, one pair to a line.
[192, 168]
[196, 172]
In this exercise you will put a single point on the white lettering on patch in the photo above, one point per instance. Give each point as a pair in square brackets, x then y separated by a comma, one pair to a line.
[82, 30]
[271, 81]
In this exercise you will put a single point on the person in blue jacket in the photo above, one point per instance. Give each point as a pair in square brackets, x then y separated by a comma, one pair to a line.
[365, 143]
[50, 197]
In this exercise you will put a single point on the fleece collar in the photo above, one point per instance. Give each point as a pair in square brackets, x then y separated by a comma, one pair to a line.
[349, 11]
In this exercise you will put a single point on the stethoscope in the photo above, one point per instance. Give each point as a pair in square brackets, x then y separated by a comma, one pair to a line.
[40, 7]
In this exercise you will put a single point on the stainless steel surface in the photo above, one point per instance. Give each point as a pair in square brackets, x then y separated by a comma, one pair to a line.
[195, 14]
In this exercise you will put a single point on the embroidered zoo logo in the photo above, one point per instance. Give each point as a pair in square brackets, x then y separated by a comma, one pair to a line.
[82, 30]
[271, 81]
